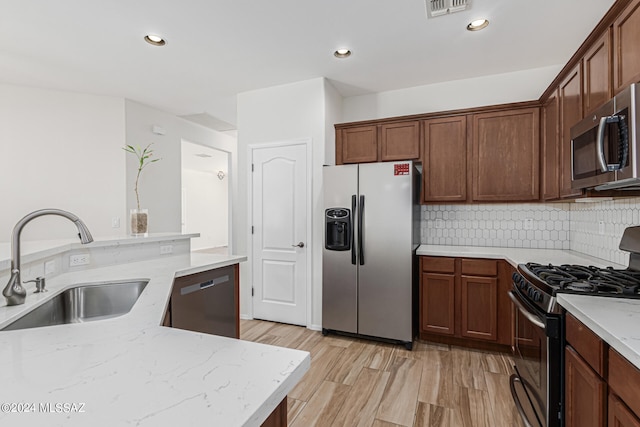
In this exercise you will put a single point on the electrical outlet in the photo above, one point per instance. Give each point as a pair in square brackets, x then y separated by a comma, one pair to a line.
[115, 222]
[601, 227]
[49, 267]
[80, 259]
[166, 249]
[528, 223]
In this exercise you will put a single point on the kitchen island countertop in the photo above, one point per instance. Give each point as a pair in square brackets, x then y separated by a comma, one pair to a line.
[130, 370]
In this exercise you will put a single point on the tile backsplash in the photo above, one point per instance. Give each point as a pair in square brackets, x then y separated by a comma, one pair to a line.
[538, 225]
[591, 228]
[596, 228]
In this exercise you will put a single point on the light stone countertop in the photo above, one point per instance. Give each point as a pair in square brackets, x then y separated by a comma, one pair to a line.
[516, 256]
[131, 371]
[39, 249]
[615, 320]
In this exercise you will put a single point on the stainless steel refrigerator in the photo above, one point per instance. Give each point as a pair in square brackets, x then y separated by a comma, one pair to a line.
[369, 267]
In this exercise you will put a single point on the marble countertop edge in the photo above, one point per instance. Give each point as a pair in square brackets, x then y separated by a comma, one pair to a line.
[515, 256]
[614, 320]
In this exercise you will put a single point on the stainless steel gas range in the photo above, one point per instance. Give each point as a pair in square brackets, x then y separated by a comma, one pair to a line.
[537, 386]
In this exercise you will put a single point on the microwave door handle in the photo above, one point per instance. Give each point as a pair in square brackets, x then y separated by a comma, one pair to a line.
[623, 141]
[600, 146]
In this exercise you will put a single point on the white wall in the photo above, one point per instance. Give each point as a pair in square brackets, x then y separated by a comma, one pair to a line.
[206, 208]
[282, 113]
[160, 186]
[333, 114]
[489, 90]
[61, 150]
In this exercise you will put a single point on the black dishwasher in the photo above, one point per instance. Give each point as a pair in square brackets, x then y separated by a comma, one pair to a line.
[206, 302]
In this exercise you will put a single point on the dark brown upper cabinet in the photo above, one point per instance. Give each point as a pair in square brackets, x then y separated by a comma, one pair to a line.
[506, 155]
[444, 164]
[626, 47]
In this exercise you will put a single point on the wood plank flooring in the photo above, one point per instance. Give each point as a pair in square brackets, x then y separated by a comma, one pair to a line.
[355, 382]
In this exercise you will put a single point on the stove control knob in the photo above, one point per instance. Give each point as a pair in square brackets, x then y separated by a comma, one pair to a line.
[536, 296]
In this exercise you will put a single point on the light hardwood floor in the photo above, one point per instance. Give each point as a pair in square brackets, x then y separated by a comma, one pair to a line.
[354, 382]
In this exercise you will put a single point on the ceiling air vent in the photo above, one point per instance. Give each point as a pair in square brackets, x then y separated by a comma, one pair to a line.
[442, 7]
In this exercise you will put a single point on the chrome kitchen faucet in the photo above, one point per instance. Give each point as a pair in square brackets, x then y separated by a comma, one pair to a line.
[14, 292]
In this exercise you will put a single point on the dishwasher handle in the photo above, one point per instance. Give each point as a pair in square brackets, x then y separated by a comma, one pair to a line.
[201, 286]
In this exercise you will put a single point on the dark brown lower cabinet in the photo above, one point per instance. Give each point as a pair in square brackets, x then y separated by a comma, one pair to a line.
[464, 301]
[278, 417]
[593, 370]
[479, 307]
[620, 415]
[438, 303]
[585, 393]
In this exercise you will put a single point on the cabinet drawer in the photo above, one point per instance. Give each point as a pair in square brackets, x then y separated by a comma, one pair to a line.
[480, 267]
[624, 379]
[586, 343]
[436, 264]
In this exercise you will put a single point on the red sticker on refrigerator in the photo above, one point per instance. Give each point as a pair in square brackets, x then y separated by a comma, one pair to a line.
[401, 169]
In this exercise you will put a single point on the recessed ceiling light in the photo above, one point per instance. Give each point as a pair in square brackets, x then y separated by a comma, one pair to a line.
[477, 25]
[342, 53]
[154, 40]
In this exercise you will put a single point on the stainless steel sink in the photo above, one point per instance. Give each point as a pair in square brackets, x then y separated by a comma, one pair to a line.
[83, 303]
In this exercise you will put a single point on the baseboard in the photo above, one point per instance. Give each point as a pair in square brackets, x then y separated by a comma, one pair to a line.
[246, 317]
[315, 327]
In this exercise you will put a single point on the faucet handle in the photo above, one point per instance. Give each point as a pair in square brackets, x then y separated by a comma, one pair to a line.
[39, 281]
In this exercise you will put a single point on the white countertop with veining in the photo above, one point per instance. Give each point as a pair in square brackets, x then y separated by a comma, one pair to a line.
[38, 249]
[615, 320]
[131, 371]
[516, 256]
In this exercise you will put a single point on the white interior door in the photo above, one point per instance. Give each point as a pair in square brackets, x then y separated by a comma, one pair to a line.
[279, 240]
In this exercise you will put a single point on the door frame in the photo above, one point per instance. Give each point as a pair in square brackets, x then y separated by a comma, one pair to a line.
[230, 183]
[306, 142]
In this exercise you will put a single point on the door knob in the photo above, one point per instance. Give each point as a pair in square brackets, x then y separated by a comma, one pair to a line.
[300, 245]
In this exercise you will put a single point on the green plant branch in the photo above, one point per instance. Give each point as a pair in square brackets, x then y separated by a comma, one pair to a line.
[144, 160]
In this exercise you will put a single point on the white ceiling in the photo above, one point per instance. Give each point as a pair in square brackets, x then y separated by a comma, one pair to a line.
[219, 48]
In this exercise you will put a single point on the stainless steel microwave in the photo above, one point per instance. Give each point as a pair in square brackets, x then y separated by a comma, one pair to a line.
[604, 145]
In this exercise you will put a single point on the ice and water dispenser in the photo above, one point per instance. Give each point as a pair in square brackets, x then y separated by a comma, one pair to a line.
[338, 229]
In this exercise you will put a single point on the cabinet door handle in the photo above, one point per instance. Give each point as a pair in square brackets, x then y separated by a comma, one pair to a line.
[299, 245]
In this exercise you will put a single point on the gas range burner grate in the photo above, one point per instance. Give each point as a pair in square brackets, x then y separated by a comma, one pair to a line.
[588, 279]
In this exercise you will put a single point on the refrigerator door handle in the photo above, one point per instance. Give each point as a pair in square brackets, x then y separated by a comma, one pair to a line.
[361, 231]
[352, 237]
